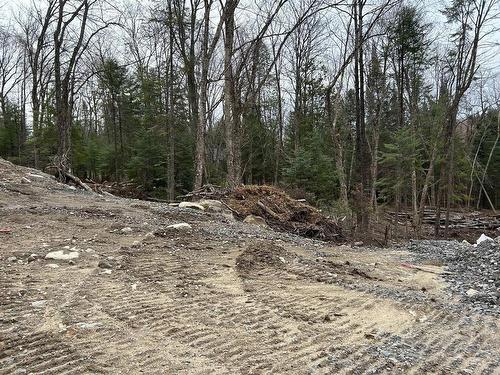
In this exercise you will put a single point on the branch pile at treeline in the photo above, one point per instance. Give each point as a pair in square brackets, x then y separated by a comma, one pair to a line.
[458, 220]
[119, 189]
[280, 211]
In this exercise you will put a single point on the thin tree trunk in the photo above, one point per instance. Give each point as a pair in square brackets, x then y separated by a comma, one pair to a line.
[171, 104]
[483, 177]
[231, 108]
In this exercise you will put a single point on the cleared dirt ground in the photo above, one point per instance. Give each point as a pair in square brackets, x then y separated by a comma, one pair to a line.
[221, 298]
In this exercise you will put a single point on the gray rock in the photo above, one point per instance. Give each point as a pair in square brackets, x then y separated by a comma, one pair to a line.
[104, 264]
[212, 205]
[126, 230]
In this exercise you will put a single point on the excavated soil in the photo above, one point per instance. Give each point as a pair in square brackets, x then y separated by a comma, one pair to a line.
[223, 297]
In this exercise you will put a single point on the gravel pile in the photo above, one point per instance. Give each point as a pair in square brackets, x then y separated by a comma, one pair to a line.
[473, 272]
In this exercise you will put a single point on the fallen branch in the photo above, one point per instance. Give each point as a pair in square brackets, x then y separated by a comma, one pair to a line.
[268, 210]
[423, 269]
[77, 181]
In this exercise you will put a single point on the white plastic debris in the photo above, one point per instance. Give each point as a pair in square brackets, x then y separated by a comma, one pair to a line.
[34, 175]
[39, 304]
[192, 205]
[179, 226]
[85, 325]
[61, 255]
[483, 237]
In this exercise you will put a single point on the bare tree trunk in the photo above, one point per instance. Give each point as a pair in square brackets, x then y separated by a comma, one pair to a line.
[337, 143]
[473, 170]
[207, 50]
[64, 79]
[279, 143]
[200, 130]
[362, 155]
[229, 95]
[171, 117]
[483, 177]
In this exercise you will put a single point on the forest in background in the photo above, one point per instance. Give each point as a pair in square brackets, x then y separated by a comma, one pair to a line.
[354, 105]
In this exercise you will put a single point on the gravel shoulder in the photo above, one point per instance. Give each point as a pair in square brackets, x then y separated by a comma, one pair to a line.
[224, 297]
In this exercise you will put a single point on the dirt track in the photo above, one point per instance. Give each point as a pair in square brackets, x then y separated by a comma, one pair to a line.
[221, 298]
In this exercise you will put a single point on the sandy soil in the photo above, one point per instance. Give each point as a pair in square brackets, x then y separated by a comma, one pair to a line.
[221, 298]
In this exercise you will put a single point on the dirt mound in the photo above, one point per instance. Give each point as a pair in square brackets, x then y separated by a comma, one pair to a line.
[281, 212]
[259, 256]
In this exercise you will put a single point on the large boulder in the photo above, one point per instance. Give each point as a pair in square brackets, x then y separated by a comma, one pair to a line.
[212, 205]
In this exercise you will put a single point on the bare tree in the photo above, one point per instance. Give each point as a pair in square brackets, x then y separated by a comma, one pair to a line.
[207, 50]
[472, 18]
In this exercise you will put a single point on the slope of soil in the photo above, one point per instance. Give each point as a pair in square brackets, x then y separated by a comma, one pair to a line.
[222, 297]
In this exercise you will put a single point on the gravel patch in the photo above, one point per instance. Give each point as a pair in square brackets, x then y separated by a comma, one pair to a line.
[473, 271]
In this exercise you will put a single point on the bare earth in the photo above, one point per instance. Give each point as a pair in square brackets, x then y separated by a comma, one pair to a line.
[221, 298]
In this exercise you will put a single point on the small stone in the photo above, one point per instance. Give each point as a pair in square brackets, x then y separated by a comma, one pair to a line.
[358, 243]
[39, 304]
[104, 264]
[32, 258]
[52, 265]
[149, 235]
[126, 230]
[472, 292]
[24, 180]
[11, 259]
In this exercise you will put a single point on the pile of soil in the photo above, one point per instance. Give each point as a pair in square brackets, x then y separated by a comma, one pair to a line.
[281, 212]
[261, 255]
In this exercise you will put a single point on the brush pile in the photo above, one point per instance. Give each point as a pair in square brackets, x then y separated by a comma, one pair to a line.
[280, 211]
